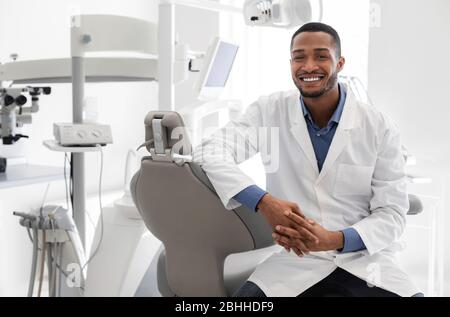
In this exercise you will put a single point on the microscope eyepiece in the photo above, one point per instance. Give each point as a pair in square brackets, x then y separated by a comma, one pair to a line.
[9, 100]
[36, 91]
[21, 100]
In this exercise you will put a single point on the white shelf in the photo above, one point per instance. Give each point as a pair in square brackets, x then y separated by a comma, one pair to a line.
[26, 174]
[98, 69]
[54, 146]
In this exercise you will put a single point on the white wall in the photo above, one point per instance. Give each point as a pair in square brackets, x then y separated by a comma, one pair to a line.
[40, 29]
[408, 80]
[408, 72]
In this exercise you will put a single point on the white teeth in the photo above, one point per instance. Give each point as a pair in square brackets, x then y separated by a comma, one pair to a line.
[311, 79]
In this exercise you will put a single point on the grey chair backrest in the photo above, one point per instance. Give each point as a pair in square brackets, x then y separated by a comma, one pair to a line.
[181, 208]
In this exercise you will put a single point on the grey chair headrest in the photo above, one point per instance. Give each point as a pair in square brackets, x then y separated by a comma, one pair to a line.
[165, 135]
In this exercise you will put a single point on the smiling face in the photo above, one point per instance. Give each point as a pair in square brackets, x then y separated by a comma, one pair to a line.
[314, 63]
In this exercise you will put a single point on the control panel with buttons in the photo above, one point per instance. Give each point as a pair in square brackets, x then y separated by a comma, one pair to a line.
[69, 134]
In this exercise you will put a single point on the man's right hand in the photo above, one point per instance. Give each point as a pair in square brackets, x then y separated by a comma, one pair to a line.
[274, 209]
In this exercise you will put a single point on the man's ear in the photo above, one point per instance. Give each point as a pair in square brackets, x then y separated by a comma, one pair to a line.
[340, 64]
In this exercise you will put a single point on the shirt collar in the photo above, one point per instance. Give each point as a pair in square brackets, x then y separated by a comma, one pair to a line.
[336, 117]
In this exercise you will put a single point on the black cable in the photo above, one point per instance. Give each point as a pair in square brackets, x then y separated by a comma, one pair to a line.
[94, 253]
[71, 182]
[65, 182]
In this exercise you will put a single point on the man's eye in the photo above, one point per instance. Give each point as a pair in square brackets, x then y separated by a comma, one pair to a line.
[298, 58]
[323, 57]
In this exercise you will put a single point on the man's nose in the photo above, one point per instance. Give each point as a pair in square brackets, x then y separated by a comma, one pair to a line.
[309, 66]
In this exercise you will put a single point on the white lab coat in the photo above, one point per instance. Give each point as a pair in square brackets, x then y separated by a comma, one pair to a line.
[362, 185]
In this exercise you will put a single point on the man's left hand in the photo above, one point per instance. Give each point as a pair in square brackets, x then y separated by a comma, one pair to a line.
[328, 240]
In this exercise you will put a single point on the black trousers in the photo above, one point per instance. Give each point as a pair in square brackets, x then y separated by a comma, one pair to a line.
[340, 283]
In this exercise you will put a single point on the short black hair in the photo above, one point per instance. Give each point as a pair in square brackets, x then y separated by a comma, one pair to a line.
[320, 27]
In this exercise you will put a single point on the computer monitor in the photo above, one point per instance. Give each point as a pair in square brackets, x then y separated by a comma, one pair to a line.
[217, 65]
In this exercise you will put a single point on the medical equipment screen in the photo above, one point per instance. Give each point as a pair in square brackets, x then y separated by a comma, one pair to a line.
[222, 65]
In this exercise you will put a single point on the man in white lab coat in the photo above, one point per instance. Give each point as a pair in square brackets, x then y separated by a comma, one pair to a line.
[336, 188]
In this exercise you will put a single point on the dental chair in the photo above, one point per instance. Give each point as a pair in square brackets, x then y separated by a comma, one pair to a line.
[208, 250]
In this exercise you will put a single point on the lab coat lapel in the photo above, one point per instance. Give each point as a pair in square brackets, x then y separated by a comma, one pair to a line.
[300, 133]
[342, 136]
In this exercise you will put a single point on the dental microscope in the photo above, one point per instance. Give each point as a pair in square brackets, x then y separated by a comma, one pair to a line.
[14, 114]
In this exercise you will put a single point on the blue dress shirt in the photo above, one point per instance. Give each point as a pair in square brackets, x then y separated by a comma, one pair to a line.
[321, 139]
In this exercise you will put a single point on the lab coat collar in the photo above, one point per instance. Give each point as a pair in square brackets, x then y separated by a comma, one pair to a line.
[340, 140]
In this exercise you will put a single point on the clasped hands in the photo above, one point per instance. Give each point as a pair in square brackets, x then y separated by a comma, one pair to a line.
[293, 231]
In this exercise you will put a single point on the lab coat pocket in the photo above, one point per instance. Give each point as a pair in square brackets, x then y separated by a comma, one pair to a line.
[353, 180]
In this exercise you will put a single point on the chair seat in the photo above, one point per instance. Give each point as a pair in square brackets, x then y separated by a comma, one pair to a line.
[239, 266]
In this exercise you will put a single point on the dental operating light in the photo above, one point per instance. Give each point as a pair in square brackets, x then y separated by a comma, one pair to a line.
[280, 13]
